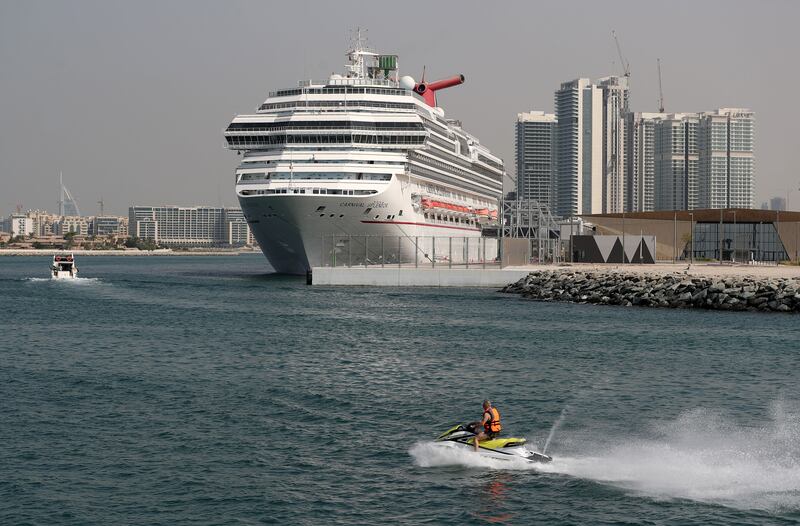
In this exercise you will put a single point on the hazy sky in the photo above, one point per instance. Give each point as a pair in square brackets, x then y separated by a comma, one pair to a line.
[130, 99]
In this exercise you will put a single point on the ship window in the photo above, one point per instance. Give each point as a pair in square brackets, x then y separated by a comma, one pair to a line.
[367, 211]
[341, 215]
[400, 213]
[319, 208]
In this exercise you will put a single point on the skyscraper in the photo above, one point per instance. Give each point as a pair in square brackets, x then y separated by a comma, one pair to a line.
[615, 95]
[579, 172]
[726, 170]
[640, 166]
[676, 158]
[67, 206]
[590, 146]
[534, 150]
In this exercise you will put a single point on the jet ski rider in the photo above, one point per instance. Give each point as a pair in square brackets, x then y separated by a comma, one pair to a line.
[490, 422]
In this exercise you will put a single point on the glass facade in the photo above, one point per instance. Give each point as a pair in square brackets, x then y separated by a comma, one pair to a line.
[740, 242]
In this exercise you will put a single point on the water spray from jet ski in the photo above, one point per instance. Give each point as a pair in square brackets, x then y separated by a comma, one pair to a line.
[555, 427]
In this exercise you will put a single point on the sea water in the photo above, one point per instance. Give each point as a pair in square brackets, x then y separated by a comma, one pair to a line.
[204, 390]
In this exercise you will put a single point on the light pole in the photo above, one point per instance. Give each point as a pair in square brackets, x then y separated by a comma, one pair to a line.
[733, 257]
[691, 237]
[623, 238]
[734, 237]
[720, 235]
[777, 229]
[675, 238]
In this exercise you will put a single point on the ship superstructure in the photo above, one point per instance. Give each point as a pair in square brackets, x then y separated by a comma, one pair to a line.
[367, 153]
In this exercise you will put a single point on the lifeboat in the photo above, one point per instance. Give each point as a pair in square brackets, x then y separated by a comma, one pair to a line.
[444, 205]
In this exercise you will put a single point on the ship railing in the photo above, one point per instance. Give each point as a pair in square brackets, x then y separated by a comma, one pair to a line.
[464, 252]
[349, 82]
[410, 251]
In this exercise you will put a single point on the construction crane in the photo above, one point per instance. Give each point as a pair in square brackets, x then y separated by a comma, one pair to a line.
[626, 67]
[660, 90]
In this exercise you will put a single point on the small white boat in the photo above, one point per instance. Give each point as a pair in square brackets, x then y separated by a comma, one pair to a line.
[63, 267]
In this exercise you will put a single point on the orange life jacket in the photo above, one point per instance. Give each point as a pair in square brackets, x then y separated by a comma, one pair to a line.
[493, 424]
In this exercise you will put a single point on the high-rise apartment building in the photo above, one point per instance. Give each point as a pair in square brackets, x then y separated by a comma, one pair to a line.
[578, 180]
[189, 226]
[590, 146]
[726, 170]
[534, 150]
[640, 165]
[676, 162]
[615, 94]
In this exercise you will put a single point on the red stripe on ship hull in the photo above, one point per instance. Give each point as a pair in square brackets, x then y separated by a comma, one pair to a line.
[421, 224]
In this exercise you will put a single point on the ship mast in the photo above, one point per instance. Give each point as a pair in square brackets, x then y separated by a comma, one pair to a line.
[357, 68]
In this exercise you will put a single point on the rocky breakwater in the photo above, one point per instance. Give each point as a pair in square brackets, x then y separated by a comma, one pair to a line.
[676, 291]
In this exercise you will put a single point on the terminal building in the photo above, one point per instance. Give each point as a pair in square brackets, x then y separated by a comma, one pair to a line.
[738, 235]
[200, 226]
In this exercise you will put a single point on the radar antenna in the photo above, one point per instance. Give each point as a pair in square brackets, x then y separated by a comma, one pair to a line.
[357, 68]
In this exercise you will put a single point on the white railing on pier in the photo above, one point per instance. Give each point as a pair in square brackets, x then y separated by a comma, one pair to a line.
[410, 251]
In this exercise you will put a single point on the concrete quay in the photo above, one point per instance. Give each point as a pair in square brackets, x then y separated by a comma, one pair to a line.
[418, 277]
[496, 277]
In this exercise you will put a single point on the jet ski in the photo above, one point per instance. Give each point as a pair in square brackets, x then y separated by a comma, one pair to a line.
[463, 436]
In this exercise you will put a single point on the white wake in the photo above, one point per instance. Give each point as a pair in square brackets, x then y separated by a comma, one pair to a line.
[702, 455]
[72, 281]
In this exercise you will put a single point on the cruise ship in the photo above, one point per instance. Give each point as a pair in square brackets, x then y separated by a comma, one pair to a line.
[364, 164]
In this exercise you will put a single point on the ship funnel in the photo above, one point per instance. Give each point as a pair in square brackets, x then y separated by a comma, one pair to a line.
[428, 90]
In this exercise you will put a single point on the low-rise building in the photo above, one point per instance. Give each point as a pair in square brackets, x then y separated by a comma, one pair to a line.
[189, 226]
[734, 234]
[109, 226]
[72, 224]
[20, 225]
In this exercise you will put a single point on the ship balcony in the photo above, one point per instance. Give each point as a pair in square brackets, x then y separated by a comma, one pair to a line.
[348, 82]
[308, 190]
[319, 178]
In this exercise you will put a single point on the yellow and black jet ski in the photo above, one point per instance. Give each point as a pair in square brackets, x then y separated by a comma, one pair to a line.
[463, 436]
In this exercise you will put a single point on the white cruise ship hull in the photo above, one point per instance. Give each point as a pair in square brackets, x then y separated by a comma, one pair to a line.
[295, 233]
[363, 168]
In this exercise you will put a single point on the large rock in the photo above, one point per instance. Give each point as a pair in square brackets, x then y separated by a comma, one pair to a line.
[675, 291]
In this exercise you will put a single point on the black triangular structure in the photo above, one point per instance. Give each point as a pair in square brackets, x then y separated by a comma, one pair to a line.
[617, 255]
[586, 249]
[646, 256]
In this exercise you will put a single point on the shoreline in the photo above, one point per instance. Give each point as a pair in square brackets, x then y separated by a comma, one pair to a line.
[675, 290]
[697, 270]
[137, 253]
